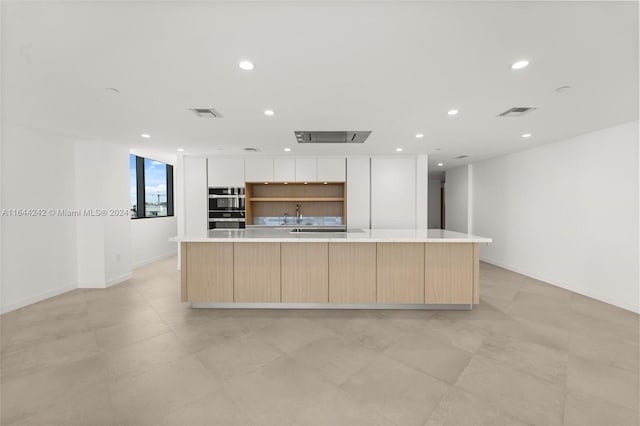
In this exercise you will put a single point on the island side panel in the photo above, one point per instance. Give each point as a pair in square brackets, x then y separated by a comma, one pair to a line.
[449, 273]
[400, 273]
[256, 272]
[352, 272]
[476, 273]
[183, 272]
[210, 272]
[305, 272]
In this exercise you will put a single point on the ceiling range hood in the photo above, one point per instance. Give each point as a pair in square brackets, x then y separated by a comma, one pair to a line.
[350, 136]
[517, 111]
[206, 112]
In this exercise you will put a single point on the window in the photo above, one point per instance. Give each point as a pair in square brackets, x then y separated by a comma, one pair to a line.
[151, 188]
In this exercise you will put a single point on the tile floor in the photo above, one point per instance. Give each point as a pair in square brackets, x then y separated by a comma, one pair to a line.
[529, 354]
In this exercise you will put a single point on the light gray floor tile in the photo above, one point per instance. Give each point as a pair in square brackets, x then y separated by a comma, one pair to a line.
[403, 395]
[585, 410]
[604, 381]
[529, 399]
[429, 353]
[530, 353]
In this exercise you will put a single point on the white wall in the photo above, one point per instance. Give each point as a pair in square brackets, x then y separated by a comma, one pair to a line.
[38, 253]
[434, 203]
[566, 213]
[456, 199]
[103, 242]
[150, 239]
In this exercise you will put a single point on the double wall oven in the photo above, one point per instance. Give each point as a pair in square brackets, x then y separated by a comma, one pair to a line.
[226, 207]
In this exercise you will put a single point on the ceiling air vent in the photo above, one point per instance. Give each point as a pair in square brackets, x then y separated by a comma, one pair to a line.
[516, 111]
[331, 137]
[206, 112]
[251, 149]
[460, 157]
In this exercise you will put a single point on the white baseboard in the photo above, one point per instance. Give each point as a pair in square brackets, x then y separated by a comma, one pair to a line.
[105, 284]
[34, 299]
[118, 280]
[154, 259]
[624, 304]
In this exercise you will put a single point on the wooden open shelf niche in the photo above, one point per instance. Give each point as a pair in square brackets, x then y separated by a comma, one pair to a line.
[277, 198]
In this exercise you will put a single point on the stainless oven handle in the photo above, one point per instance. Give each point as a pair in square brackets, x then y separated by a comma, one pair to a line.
[226, 196]
[226, 220]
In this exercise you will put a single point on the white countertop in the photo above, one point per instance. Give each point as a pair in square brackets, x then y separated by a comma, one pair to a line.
[274, 235]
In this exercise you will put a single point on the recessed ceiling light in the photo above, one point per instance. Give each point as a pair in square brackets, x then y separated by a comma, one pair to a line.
[287, 150]
[419, 135]
[526, 135]
[145, 135]
[398, 149]
[520, 64]
[180, 149]
[246, 65]
[268, 112]
[452, 112]
[440, 164]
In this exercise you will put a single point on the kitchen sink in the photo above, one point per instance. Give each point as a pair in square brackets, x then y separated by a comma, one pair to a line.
[317, 230]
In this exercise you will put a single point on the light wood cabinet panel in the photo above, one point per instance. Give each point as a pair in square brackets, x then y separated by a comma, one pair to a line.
[476, 273]
[209, 271]
[305, 272]
[183, 272]
[400, 273]
[449, 273]
[256, 272]
[352, 272]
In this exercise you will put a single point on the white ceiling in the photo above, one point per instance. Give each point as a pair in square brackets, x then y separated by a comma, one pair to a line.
[393, 68]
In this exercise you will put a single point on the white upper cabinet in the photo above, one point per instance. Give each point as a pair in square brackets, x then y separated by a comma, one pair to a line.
[195, 195]
[306, 170]
[358, 190]
[331, 169]
[223, 171]
[258, 169]
[284, 169]
[393, 193]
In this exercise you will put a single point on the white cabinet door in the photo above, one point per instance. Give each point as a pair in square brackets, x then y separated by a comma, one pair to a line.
[225, 171]
[306, 170]
[393, 193]
[358, 191]
[258, 170]
[284, 169]
[331, 169]
[196, 201]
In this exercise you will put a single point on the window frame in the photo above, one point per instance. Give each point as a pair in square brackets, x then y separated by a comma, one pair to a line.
[140, 190]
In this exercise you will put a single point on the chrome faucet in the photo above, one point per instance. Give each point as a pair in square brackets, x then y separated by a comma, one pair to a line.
[284, 218]
[298, 214]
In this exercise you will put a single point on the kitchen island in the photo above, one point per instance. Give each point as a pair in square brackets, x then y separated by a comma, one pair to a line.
[370, 269]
